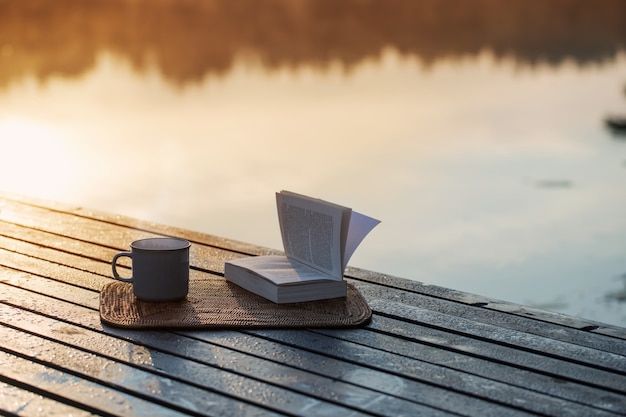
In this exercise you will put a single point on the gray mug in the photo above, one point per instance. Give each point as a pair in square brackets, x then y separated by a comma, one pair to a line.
[160, 268]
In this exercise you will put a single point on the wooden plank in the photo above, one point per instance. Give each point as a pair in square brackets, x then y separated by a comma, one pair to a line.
[156, 387]
[525, 325]
[509, 321]
[30, 213]
[271, 383]
[418, 301]
[473, 349]
[402, 388]
[365, 288]
[21, 402]
[107, 235]
[537, 393]
[60, 249]
[466, 354]
[80, 392]
[427, 350]
[503, 392]
[22, 254]
[18, 207]
[434, 359]
[52, 270]
[519, 340]
[435, 319]
[487, 303]
[392, 363]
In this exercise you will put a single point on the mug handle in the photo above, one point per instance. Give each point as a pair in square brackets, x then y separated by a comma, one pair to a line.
[114, 265]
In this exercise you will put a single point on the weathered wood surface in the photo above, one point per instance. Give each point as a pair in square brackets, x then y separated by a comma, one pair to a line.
[427, 351]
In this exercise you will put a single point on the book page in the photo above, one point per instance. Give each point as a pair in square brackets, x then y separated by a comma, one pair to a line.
[311, 230]
[360, 226]
[281, 270]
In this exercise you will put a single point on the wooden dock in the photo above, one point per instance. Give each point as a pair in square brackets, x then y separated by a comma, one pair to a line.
[427, 351]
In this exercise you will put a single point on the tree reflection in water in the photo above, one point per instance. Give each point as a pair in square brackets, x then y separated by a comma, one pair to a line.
[188, 39]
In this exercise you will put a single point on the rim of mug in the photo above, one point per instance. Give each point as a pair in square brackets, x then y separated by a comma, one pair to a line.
[180, 244]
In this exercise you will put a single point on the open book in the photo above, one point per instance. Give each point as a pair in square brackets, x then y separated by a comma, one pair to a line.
[318, 237]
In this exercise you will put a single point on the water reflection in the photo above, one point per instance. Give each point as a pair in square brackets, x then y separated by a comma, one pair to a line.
[476, 139]
[190, 39]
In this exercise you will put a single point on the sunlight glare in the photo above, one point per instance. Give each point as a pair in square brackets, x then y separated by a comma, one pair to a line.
[40, 160]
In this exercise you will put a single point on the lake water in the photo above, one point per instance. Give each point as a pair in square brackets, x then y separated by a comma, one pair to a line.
[482, 149]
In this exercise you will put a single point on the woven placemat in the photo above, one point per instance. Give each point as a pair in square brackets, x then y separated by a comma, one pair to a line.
[220, 304]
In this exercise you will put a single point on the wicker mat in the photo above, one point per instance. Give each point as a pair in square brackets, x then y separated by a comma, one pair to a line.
[219, 304]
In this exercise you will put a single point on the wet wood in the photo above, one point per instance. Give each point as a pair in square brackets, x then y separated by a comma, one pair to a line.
[428, 350]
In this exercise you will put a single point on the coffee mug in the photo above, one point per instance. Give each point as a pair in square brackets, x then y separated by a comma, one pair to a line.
[160, 268]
